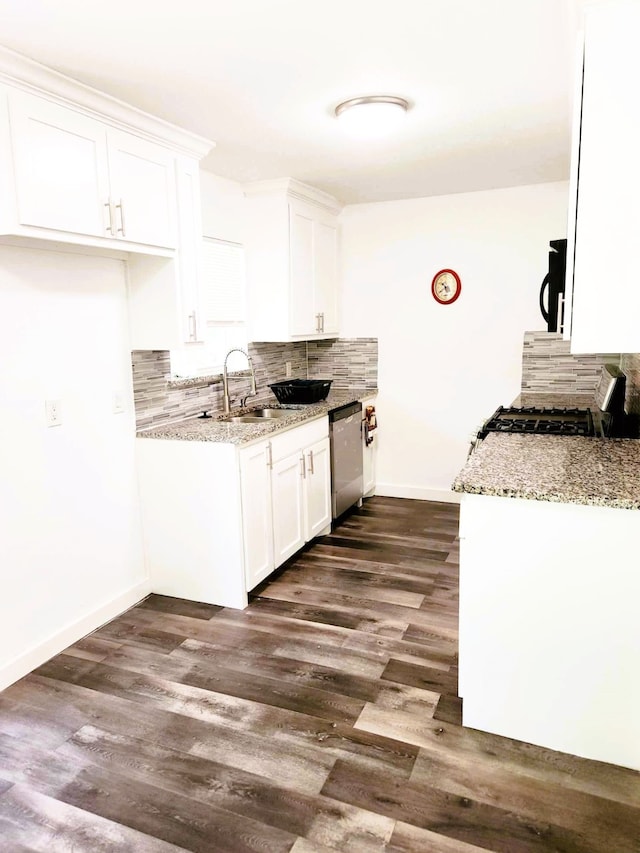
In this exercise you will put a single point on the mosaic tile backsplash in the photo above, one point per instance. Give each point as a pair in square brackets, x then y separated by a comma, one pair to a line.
[548, 366]
[630, 365]
[348, 362]
[159, 402]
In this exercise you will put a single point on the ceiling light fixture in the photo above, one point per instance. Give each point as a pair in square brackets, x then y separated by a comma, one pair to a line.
[372, 115]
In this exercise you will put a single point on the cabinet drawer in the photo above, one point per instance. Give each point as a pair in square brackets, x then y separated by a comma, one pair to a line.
[295, 439]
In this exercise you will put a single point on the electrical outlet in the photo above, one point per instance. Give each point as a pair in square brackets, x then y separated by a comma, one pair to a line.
[53, 412]
[118, 402]
[287, 369]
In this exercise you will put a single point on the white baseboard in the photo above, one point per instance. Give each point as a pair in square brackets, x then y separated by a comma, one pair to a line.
[28, 661]
[417, 493]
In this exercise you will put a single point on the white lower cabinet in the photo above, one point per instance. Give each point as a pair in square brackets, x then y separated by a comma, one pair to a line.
[549, 630]
[257, 514]
[317, 487]
[288, 507]
[219, 519]
[300, 490]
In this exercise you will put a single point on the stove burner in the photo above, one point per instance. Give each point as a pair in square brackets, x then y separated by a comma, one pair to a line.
[540, 421]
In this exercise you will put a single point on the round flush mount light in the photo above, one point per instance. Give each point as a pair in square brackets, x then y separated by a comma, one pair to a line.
[372, 115]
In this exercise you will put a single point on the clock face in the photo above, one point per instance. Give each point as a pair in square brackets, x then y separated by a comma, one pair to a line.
[446, 286]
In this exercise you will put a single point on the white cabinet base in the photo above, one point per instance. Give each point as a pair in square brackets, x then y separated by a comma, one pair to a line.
[549, 629]
[288, 506]
[191, 515]
[218, 519]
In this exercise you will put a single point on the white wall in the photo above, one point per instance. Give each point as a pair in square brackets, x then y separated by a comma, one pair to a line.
[444, 369]
[70, 541]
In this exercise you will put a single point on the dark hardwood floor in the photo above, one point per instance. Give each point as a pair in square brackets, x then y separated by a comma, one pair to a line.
[323, 718]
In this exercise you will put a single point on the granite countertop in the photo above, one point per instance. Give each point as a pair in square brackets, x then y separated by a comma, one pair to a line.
[561, 469]
[217, 430]
[543, 399]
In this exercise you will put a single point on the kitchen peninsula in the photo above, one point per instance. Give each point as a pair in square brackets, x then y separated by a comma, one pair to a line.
[549, 634]
[225, 503]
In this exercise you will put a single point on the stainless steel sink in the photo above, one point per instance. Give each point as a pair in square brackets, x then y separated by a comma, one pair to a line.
[257, 415]
[268, 413]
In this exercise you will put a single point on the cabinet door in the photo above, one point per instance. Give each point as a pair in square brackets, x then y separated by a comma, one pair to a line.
[190, 243]
[317, 488]
[326, 275]
[61, 172]
[606, 298]
[288, 509]
[301, 236]
[257, 529]
[142, 189]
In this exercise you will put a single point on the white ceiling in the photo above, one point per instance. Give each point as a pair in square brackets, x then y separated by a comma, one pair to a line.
[489, 82]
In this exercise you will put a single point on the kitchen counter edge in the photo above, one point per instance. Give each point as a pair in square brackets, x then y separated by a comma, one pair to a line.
[601, 472]
[215, 429]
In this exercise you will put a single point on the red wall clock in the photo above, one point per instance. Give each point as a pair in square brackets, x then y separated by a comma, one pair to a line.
[446, 286]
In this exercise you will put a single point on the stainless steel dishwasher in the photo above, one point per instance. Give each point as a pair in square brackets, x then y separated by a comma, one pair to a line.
[345, 434]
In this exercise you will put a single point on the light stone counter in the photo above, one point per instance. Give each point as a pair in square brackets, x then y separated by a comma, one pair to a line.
[561, 469]
[217, 430]
[560, 401]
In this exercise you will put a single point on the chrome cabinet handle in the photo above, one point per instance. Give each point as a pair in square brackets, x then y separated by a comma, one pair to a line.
[120, 207]
[318, 323]
[311, 471]
[322, 322]
[193, 327]
[303, 468]
[111, 226]
[269, 456]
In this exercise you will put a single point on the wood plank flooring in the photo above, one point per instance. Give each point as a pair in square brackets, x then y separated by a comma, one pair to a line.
[323, 718]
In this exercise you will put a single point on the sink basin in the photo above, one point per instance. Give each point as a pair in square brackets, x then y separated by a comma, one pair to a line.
[267, 413]
[256, 415]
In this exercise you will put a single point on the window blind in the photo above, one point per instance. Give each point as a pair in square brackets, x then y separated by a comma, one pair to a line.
[223, 282]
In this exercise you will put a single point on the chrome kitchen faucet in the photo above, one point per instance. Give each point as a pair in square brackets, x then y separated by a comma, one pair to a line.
[225, 381]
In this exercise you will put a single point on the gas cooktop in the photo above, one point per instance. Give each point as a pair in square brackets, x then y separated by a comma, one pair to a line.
[539, 421]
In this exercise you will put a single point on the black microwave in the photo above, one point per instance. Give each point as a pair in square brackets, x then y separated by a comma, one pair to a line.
[553, 286]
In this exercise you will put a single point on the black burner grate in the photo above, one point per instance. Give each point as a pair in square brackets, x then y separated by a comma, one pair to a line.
[540, 421]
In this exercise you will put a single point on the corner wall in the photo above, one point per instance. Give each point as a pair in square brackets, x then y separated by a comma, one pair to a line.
[444, 369]
[70, 533]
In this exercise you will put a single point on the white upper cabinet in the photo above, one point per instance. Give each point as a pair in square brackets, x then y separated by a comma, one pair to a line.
[77, 166]
[81, 168]
[302, 305]
[61, 167]
[292, 261]
[143, 189]
[326, 273]
[76, 175]
[606, 297]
